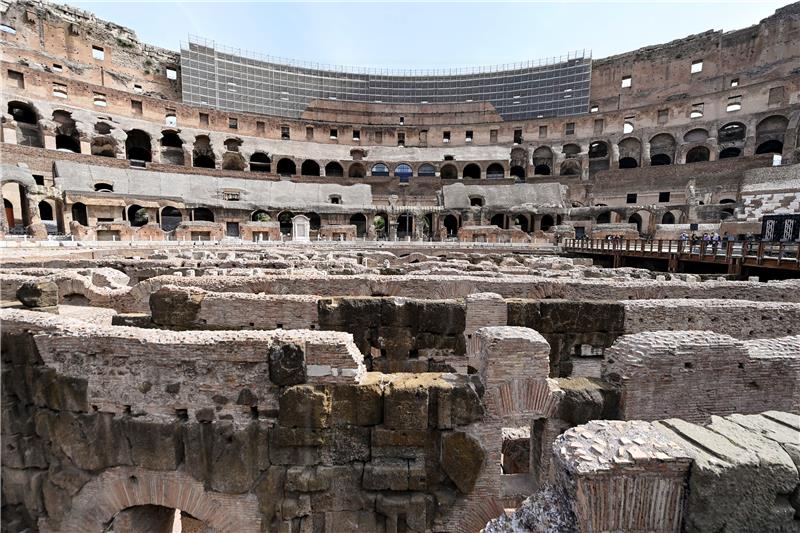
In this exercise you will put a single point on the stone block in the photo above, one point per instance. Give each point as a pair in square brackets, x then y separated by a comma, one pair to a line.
[462, 459]
[406, 402]
[287, 364]
[38, 293]
[176, 307]
[357, 405]
[306, 406]
[386, 474]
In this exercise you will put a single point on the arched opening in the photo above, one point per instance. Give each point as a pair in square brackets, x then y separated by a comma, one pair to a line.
[427, 225]
[154, 519]
[203, 153]
[27, 119]
[668, 218]
[543, 161]
[522, 222]
[137, 215]
[405, 226]
[697, 154]
[356, 170]
[498, 220]
[309, 168]
[770, 147]
[770, 134]
[68, 144]
[80, 214]
[604, 218]
[103, 146]
[630, 152]
[260, 215]
[697, 135]
[334, 170]
[202, 214]
[403, 171]
[476, 201]
[170, 218]
[449, 172]
[451, 225]
[472, 171]
[495, 171]
[232, 144]
[571, 151]
[570, 167]
[730, 152]
[260, 162]
[360, 222]
[46, 211]
[598, 149]
[137, 146]
[636, 219]
[314, 221]
[171, 139]
[518, 172]
[381, 222]
[103, 187]
[660, 159]
[726, 213]
[547, 222]
[233, 161]
[285, 221]
[732, 132]
[727, 201]
[662, 149]
[379, 169]
[426, 170]
[286, 167]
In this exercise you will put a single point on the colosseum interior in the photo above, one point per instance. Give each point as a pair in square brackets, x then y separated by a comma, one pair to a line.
[240, 295]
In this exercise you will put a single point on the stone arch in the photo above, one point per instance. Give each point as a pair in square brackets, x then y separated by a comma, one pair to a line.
[570, 167]
[732, 132]
[135, 216]
[630, 152]
[27, 119]
[604, 218]
[309, 168]
[138, 146]
[472, 170]
[770, 133]
[203, 153]
[356, 170]
[172, 148]
[170, 218]
[46, 211]
[260, 162]
[662, 149]
[517, 171]
[547, 222]
[259, 215]
[359, 220]
[731, 151]
[103, 145]
[543, 161]
[521, 221]
[598, 156]
[696, 135]
[120, 488]
[202, 214]
[636, 218]
[233, 160]
[449, 172]
[499, 220]
[334, 170]
[697, 154]
[80, 213]
[668, 218]
[451, 224]
[426, 170]
[405, 225]
[495, 171]
[571, 150]
[285, 221]
[404, 172]
[314, 220]
[380, 169]
[66, 130]
[286, 167]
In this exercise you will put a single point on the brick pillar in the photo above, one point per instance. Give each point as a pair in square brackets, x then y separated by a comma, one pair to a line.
[483, 309]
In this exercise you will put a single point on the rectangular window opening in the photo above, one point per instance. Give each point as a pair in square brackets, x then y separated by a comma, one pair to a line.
[334, 134]
[171, 73]
[663, 116]
[17, 79]
[627, 81]
[542, 132]
[663, 197]
[98, 53]
[356, 135]
[261, 127]
[697, 66]
[445, 136]
[569, 128]
[285, 133]
[204, 119]
[518, 136]
[136, 107]
[401, 139]
[492, 136]
[59, 90]
[99, 99]
[309, 132]
[630, 198]
[468, 137]
[233, 123]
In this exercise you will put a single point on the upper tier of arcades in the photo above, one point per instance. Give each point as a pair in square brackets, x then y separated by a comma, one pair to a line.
[66, 55]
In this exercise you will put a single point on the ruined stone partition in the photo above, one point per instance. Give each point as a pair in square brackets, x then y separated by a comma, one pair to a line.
[737, 473]
[695, 374]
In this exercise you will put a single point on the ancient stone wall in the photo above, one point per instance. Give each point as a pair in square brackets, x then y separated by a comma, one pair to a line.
[695, 374]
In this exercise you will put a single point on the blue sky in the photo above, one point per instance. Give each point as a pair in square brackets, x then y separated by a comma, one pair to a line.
[428, 34]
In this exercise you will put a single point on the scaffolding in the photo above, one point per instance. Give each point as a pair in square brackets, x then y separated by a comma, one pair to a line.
[234, 80]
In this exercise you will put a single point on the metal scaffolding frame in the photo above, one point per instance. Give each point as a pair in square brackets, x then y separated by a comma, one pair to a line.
[235, 80]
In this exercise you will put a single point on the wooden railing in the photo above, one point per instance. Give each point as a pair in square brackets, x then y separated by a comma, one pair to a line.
[785, 255]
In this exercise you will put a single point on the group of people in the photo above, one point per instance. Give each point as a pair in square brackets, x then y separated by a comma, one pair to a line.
[713, 237]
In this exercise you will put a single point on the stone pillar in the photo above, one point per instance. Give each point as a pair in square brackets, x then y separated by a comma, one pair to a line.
[392, 229]
[482, 310]
[50, 142]
[86, 147]
[645, 155]
[3, 217]
[10, 133]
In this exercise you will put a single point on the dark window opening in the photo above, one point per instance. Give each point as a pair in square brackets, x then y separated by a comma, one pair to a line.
[631, 198]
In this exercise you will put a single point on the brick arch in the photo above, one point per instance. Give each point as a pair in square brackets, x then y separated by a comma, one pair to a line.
[120, 488]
